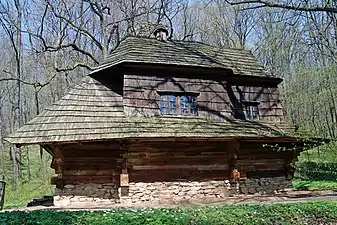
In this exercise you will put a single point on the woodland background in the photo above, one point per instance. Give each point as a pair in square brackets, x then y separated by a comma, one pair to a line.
[48, 46]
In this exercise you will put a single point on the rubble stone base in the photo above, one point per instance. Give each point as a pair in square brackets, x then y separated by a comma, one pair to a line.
[175, 192]
[86, 195]
[264, 185]
[109, 194]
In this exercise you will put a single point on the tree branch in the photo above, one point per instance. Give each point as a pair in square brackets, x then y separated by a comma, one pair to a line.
[74, 47]
[83, 65]
[80, 29]
[261, 3]
[35, 84]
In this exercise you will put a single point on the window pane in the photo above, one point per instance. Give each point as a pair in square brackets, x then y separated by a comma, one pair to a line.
[185, 105]
[194, 108]
[188, 105]
[248, 116]
[173, 104]
[164, 104]
[255, 112]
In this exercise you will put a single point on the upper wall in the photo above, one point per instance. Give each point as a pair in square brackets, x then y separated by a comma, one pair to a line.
[217, 99]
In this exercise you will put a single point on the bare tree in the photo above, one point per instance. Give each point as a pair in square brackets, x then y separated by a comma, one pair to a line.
[289, 5]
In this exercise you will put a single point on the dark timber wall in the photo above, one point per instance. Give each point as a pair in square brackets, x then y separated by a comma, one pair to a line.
[96, 162]
[216, 100]
[152, 161]
[177, 161]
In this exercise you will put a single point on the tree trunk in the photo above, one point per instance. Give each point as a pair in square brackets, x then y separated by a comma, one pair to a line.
[42, 156]
[16, 158]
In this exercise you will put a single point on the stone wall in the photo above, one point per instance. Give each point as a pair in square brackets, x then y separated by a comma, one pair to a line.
[86, 195]
[176, 192]
[263, 185]
[104, 195]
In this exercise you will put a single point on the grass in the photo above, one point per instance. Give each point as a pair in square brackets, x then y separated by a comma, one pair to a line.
[301, 213]
[32, 186]
[316, 169]
[315, 185]
[26, 193]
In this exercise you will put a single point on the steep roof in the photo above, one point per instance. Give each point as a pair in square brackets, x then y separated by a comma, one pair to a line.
[91, 111]
[182, 53]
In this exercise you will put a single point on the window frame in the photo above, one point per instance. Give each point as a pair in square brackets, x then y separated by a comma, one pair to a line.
[251, 108]
[192, 100]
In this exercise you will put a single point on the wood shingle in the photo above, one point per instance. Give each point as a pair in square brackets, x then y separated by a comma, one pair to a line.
[181, 53]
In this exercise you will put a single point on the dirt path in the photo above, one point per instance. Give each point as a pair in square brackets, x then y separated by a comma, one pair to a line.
[282, 198]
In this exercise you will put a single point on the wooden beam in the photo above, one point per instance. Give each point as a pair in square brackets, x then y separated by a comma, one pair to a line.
[57, 164]
[124, 157]
[194, 167]
[233, 151]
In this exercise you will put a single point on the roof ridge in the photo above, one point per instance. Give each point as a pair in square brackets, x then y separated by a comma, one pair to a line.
[146, 50]
[183, 41]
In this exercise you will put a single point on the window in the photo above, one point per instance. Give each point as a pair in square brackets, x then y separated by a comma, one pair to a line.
[178, 104]
[251, 110]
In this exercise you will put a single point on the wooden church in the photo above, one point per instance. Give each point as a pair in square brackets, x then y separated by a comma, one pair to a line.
[163, 121]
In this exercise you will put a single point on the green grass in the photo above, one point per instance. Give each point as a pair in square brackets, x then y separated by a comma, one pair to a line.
[302, 213]
[33, 186]
[316, 169]
[315, 185]
[20, 197]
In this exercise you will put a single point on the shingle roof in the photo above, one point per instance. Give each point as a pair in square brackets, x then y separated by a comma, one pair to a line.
[180, 53]
[91, 111]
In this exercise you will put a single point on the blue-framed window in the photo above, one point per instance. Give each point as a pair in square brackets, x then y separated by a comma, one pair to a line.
[168, 104]
[252, 111]
[174, 104]
[189, 105]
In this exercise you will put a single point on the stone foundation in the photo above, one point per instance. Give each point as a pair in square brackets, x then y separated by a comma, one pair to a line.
[105, 195]
[263, 185]
[176, 192]
[86, 195]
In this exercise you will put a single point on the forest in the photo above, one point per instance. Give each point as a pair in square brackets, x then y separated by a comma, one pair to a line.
[48, 46]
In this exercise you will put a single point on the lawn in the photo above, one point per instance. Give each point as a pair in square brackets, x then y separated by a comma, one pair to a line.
[316, 169]
[15, 198]
[301, 213]
[315, 185]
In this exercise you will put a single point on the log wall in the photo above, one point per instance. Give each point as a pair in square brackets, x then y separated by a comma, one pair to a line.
[217, 99]
[177, 161]
[97, 162]
[166, 171]
[169, 161]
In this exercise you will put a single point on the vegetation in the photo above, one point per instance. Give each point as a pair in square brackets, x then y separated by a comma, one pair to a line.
[315, 185]
[304, 213]
[34, 185]
[317, 169]
[20, 197]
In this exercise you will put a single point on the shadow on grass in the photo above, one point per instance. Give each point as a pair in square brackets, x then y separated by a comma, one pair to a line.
[303, 185]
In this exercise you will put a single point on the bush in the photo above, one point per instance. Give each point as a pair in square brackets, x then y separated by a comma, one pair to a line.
[316, 171]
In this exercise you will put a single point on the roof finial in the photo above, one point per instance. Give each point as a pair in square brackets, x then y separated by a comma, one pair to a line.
[161, 33]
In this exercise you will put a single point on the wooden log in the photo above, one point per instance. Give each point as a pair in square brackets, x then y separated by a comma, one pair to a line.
[83, 172]
[187, 166]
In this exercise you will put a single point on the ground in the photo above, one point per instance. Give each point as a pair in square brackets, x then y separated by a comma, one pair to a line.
[281, 198]
[218, 214]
